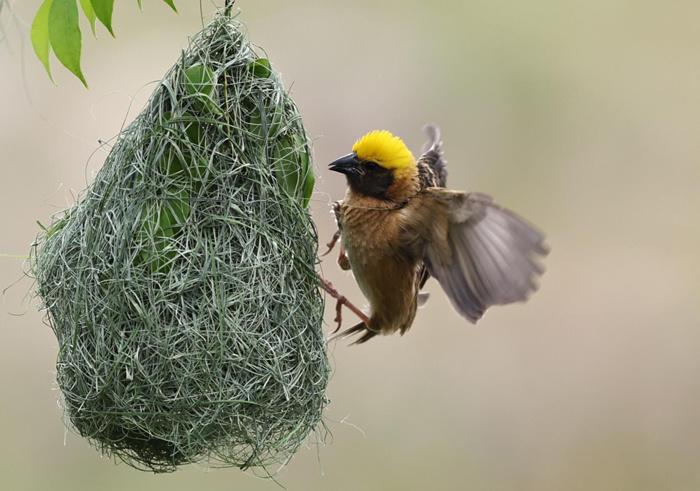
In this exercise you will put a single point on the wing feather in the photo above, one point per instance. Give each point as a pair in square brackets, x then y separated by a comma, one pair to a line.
[492, 255]
[432, 167]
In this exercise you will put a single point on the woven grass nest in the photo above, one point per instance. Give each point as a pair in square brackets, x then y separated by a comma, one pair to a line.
[181, 286]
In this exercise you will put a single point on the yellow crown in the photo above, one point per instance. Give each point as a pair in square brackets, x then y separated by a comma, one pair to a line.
[385, 149]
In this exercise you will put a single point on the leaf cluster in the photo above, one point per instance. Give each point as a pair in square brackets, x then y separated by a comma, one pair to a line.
[56, 28]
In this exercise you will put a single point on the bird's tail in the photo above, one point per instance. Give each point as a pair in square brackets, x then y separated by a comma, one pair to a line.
[367, 333]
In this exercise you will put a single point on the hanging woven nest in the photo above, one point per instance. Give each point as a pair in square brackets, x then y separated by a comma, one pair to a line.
[181, 286]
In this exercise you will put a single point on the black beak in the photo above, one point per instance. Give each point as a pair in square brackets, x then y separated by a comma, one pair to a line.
[348, 164]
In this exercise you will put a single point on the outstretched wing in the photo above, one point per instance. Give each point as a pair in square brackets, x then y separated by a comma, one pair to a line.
[480, 253]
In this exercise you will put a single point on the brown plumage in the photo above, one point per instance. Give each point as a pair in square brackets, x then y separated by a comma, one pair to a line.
[399, 226]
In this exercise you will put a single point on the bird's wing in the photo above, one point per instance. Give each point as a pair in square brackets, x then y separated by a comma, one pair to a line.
[480, 253]
[432, 172]
[432, 167]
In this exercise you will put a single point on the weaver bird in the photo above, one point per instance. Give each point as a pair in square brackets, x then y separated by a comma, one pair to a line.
[398, 226]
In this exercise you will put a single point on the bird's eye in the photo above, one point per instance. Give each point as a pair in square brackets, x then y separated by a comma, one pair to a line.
[371, 166]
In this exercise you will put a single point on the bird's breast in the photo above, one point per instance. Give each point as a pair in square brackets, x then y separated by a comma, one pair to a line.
[368, 232]
[383, 272]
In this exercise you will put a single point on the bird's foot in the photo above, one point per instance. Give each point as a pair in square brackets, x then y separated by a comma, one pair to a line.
[343, 260]
[332, 243]
[340, 302]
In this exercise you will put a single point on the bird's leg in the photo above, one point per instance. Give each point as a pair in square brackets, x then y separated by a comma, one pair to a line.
[343, 260]
[340, 301]
[336, 235]
[332, 243]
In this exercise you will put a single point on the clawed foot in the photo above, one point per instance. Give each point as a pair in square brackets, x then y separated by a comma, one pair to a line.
[340, 301]
[343, 260]
[332, 243]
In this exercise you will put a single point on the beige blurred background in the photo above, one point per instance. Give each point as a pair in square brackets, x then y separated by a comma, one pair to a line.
[582, 115]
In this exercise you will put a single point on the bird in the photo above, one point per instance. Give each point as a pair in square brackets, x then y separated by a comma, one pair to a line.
[399, 225]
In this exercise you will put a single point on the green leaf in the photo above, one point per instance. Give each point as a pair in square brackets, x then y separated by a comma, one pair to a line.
[292, 164]
[308, 187]
[160, 223]
[194, 132]
[103, 11]
[64, 35]
[89, 13]
[265, 118]
[287, 168]
[56, 27]
[171, 162]
[165, 225]
[169, 2]
[56, 227]
[261, 68]
[307, 171]
[178, 207]
[273, 120]
[40, 35]
[199, 80]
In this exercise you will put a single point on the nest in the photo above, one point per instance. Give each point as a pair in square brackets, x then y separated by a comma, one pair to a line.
[181, 286]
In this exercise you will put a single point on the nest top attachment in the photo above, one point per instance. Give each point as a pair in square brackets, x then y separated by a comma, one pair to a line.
[181, 286]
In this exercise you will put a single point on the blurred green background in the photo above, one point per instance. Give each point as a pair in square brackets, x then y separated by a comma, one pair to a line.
[584, 116]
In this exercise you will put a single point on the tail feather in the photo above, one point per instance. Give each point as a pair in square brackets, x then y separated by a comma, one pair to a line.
[357, 328]
[423, 298]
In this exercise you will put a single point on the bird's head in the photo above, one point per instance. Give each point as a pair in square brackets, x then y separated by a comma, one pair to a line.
[379, 164]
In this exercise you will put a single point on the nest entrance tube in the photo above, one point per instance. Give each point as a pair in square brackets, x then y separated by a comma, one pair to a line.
[181, 286]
